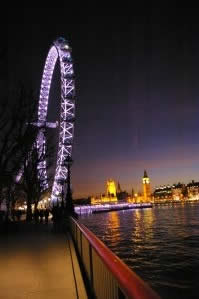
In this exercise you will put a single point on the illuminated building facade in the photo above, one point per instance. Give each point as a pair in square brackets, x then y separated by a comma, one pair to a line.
[163, 193]
[136, 198]
[166, 193]
[146, 188]
[110, 196]
[193, 190]
[177, 193]
[111, 188]
[139, 197]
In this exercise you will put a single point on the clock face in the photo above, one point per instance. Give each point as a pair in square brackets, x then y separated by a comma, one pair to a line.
[146, 181]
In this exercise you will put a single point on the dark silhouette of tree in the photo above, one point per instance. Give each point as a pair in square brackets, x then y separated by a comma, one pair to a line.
[33, 179]
[16, 134]
[19, 196]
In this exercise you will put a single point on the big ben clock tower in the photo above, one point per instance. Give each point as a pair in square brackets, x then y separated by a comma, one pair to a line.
[146, 187]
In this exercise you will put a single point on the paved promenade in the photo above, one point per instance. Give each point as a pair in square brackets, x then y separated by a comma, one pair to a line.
[36, 263]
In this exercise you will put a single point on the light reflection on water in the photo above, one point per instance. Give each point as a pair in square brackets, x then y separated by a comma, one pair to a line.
[160, 244]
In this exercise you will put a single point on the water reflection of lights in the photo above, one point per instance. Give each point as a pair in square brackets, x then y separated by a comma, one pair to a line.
[136, 233]
[114, 220]
[113, 229]
[143, 227]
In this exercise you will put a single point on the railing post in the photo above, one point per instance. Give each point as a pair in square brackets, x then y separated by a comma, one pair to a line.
[91, 264]
[109, 277]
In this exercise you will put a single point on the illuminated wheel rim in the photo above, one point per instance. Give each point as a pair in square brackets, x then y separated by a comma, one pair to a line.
[60, 51]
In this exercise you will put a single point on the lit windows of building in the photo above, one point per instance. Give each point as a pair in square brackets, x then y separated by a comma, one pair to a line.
[163, 193]
[177, 191]
[193, 190]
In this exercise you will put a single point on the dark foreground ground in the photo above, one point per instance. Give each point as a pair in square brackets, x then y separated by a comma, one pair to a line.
[36, 262]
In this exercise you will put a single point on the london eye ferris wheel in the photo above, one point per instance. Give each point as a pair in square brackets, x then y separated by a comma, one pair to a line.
[60, 52]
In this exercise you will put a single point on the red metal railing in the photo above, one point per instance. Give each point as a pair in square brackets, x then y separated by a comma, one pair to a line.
[108, 276]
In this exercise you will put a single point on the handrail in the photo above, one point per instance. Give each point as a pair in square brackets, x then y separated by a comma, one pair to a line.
[129, 282]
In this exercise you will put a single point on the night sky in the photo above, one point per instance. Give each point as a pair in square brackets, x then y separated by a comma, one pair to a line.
[137, 93]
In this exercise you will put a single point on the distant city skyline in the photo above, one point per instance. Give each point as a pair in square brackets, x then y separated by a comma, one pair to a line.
[139, 189]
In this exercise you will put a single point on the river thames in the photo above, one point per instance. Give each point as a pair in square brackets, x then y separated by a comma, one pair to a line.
[160, 244]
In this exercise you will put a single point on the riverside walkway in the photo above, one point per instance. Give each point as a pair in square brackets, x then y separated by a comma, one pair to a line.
[37, 263]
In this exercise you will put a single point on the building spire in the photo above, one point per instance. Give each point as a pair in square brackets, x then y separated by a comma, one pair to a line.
[145, 174]
[119, 188]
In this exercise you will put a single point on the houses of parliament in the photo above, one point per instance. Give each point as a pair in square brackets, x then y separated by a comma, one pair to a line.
[114, 193]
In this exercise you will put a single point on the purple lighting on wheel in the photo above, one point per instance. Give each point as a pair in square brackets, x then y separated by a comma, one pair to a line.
[62, 52]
